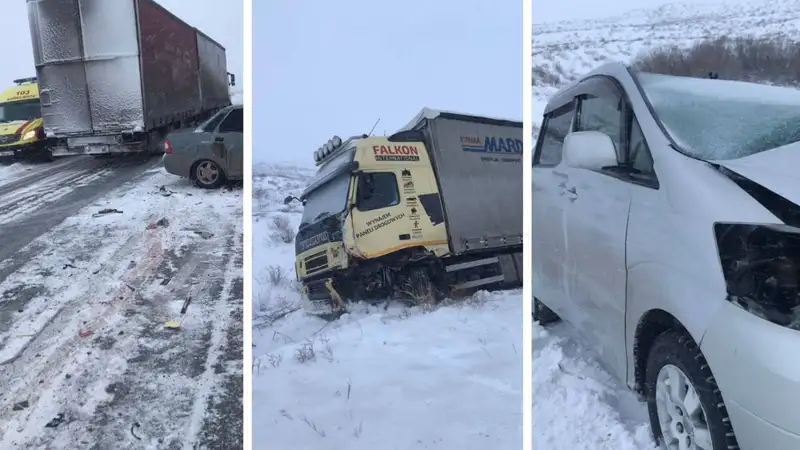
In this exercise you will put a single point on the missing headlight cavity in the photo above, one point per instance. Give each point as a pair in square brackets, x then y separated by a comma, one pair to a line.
[782, 208]
[761, 265]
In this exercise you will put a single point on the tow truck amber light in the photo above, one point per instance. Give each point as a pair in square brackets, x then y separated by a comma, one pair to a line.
[167, 147]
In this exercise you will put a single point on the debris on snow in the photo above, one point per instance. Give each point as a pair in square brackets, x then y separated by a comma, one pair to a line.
[55, 421]
[107, 211]
[161, 223]
[19, 406]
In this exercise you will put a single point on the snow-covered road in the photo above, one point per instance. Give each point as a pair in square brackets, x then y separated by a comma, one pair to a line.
[85, 359]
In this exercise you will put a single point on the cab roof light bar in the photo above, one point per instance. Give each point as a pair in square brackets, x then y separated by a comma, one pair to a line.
[22, 81]
[331, 148]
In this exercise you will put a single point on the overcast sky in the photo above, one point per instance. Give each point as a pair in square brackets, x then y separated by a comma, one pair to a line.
[322, 68]
[225, 25]
[556, 10]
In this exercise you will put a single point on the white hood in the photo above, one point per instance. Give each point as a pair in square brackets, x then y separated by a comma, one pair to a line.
[777, 170]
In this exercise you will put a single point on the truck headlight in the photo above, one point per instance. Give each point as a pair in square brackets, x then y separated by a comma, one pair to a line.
[761, 266]
[29, 135]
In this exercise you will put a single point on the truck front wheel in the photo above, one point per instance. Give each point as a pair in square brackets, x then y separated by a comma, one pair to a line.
[420, 288]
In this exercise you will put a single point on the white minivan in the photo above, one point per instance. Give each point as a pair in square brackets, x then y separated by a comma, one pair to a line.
[666, 230]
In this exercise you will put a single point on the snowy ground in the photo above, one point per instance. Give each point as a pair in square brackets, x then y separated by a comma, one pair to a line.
[393, 378]
[85, 360]
[576, 404]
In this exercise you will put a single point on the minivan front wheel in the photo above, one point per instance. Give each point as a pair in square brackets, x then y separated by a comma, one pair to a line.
[686, 408]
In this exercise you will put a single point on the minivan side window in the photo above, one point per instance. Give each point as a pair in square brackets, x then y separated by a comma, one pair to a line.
[234, 123]
[377, 190]
[550, 144]
[639, 156]
[604, 114]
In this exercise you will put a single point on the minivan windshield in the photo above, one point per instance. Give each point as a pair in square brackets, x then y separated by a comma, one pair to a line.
[719, 120]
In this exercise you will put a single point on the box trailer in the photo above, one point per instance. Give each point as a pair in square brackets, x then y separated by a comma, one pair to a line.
[116, 75]
[478, 167]
[429, 211]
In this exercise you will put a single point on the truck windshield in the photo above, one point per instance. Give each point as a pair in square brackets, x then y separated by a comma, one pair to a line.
[329, 199]
[718, 119]
[14, 111]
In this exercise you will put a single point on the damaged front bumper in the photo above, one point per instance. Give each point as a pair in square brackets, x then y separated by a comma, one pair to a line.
[19, 152]
[320, 297]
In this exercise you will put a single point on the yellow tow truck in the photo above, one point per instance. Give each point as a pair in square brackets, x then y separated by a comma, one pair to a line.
[21, 132]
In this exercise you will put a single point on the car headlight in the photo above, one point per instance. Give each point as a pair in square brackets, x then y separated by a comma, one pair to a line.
[761, 266]
[29, 135]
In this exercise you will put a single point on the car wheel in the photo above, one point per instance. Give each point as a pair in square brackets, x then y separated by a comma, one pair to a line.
[685, 404]
[208, 175]
[543, 314]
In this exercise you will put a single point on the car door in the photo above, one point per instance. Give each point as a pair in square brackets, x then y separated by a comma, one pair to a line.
[597, 204]
[548, 239]
[229, 140]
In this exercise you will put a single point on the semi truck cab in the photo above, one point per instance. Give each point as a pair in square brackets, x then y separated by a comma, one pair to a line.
[21, 132]
[372, 197]
[375, 222]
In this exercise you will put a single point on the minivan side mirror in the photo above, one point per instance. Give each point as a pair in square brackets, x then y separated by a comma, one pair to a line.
[590, 150]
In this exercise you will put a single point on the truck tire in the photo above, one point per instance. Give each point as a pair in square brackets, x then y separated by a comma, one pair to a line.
[673, 359]
[543, 314]
[420, 288]
[207, 174]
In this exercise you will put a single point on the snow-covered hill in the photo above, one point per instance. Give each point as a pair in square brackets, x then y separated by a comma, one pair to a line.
[576, 404]
[562, 51]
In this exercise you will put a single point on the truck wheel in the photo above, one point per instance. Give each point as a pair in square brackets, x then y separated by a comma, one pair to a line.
[420, 288]
[543, 314]
[685, 405]
[207, 174]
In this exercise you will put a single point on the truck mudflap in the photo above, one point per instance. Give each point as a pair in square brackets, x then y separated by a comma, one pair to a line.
[320, 298]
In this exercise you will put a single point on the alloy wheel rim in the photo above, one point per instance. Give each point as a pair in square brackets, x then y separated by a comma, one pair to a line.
[680, 413]
[207, 172]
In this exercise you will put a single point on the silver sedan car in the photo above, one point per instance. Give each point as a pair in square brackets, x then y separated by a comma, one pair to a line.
[211, 154]
[666, 230]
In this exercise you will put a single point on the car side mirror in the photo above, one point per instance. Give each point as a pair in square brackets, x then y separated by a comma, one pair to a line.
[590, 150]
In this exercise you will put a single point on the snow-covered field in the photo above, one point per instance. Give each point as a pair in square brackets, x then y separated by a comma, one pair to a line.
[577, 404]
[379, 377]
[95, 257]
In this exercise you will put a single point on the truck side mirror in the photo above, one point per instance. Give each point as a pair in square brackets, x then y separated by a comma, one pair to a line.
[288, 200]
[231, 79]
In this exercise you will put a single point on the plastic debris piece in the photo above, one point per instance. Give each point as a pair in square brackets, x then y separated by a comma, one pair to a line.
[55, 421]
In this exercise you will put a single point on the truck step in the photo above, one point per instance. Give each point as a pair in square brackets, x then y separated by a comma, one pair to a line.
[481, 282]
[471, 264]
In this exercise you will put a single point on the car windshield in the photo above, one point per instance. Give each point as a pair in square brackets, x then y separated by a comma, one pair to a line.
[27, 110]
[327, 200]
[719, 120]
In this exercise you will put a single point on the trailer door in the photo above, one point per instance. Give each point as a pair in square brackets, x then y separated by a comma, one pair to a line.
[87, 59]
[55, 27]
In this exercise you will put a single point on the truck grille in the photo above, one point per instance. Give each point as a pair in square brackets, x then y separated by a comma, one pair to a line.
[316, 262]
[317, 291]
[9, 139]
